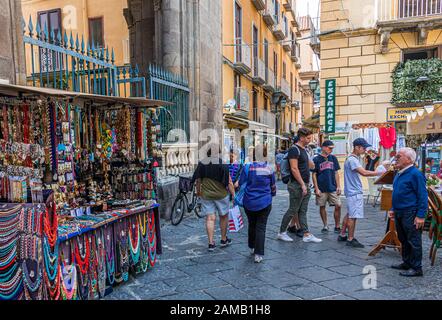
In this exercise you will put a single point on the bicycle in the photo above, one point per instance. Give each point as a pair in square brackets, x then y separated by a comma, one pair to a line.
[182, 204]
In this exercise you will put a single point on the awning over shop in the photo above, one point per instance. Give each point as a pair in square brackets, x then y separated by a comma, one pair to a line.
[234, 122]
[16, 90]
[422, 122]
[312, 122]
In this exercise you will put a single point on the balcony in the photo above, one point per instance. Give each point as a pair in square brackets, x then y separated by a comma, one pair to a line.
[287, 46]
[242, 98]
[259, 4]
[269, 13]
[278, 31]
[269, 85]
[259, 72]
[179, 158]
[314, 42]
[290, 6]
[243, 57]
[294, 53]
[285, 88]
[414, 15]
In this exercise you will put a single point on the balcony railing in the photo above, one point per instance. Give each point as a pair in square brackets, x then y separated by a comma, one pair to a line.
[259, 4]
[242, 98]
[392, 10]
[178, 158]
[243, 57]
[259, 71]
[269, 13]
[285, 88]
[294, 53]
[266, 117]
[269, 85]
[278, 30]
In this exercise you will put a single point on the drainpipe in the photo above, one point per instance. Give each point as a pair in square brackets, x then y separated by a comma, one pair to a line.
[85, 19]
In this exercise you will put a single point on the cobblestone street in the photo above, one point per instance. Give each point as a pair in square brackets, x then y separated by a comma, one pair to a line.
[328, 270]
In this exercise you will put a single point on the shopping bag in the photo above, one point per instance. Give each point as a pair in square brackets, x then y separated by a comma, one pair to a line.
[238, 201]
[236, 222]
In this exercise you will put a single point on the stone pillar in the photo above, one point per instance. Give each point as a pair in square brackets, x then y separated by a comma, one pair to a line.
[12, 52]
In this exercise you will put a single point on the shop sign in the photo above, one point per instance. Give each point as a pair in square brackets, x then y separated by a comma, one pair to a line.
[399, 114]
[330, 105]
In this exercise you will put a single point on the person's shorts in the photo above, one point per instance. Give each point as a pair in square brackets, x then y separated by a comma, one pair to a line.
[331, 197]
[355, 206]
[220, 207]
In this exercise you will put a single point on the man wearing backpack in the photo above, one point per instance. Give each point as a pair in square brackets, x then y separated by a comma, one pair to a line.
[298, 187]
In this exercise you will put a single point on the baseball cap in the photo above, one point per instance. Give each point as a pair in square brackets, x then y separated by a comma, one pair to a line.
[361, 142]
[328, 143]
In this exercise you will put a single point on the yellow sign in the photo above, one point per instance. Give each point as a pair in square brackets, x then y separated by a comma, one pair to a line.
[399, 114]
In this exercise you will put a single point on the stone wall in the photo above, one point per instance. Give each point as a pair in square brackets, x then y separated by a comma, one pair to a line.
[183, 36]
[12, 60]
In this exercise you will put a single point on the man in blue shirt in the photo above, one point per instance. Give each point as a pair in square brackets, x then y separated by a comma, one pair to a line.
[327, 185]
[410, 204]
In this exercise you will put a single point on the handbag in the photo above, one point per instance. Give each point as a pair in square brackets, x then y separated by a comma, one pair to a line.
[236, 222]
[239, 197]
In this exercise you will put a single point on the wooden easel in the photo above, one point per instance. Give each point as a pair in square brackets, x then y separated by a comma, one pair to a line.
[390, 239]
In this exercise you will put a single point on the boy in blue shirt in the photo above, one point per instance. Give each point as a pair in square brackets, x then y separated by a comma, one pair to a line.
[327, 185]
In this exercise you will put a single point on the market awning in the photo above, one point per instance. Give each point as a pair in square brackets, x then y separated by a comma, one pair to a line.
[16, 90]
[243, 123]
[425, 123]
[312, 122]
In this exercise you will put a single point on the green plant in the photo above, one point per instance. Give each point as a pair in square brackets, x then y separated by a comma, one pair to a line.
[406, 88]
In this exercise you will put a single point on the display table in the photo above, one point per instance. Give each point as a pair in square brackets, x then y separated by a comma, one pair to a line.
[390, 240]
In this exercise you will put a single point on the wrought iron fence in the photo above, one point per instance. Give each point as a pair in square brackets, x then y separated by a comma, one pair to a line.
[59, 61]
[167, 86]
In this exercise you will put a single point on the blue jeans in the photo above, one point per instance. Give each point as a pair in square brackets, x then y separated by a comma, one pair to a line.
[410, 238]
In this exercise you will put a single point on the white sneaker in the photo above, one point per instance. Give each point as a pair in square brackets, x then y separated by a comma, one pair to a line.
[311, 238]
[284, 237]
[258, 258]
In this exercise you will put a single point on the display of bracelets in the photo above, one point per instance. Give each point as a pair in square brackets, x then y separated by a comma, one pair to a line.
[22, 150]
[22, 171]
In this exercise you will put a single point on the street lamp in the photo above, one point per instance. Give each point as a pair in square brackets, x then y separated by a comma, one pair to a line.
[313, 84]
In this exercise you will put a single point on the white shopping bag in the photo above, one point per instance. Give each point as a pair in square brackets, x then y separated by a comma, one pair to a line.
[236, 222]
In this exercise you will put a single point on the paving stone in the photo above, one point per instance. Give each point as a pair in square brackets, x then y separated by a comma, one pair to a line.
[310, 291]
[204, 268]
[163, 273]
[239, 279]
[151, 290]
[370, 295]
[337, 297]
[281, 279]
[202, 281]
[345, 285]
[268, 292]
[348, 270]
[317, 274]
[195, 295]
[227, 293]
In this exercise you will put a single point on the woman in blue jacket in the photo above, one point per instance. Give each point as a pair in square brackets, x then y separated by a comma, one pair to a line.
[259, 178]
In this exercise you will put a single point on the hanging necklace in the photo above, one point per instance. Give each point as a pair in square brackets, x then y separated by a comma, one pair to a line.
[134, 244]
[51, 260]
[152, 240]
[83, 258]
[101, 257]
[69, 282]
[51, 228]
[29, 272]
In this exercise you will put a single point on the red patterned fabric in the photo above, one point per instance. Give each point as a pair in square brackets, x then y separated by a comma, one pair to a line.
[388, 137]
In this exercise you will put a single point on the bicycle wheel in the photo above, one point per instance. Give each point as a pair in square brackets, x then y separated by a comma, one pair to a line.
[197, 205]
[178, 209]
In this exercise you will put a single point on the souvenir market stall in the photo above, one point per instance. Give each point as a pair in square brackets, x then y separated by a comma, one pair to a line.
[78, 210]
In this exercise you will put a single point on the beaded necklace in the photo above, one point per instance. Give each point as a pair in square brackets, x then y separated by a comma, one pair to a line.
[134, 249]
[101, 258]
[51, 228]
[83, 258]
[51, 260]
[12, 289]
[83, 285]
[54, 288]
[32, 286]
[152, 241]
[110, 258]
[69, 282]
[93, 265]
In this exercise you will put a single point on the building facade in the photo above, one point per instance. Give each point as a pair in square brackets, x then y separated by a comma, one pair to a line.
[260, 66]
[361, 47]
[12, 60]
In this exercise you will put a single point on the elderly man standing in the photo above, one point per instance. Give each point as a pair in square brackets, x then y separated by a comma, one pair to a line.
[410, 204]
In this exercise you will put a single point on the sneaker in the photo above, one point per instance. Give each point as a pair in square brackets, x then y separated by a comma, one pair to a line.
[212, 247]
[355, 244]
[311, 238]
[337, 230]
[342, 238]
[292, 229]
[258, 258]
[284, 237]
[225, 243]
[325, 229]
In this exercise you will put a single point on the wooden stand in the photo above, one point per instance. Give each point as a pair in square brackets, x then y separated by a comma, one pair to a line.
[391, 239]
